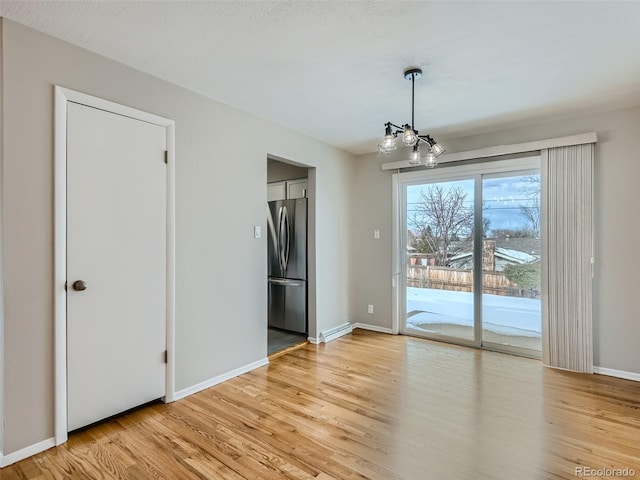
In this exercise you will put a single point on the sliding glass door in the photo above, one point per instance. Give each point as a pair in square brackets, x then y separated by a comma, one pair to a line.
[511, 306]
[471, 268]
[440, 223]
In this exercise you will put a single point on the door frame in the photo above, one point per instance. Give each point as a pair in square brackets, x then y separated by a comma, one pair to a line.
[399, 258]
[62, 98]
[312, 327]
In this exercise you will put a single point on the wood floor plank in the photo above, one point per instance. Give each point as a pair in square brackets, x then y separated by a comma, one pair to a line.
[367, 406]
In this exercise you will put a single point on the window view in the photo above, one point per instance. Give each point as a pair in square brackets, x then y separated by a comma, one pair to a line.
[440, 292]
[511, 306]
[440, 228]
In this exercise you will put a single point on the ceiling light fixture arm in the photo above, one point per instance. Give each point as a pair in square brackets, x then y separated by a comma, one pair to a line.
[398, 128]
[427, 139]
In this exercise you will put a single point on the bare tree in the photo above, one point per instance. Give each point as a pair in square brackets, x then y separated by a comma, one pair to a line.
[440, 218]
[486, 222]
[531, 210]
[532, 189]
[531, 213]
[420, 239]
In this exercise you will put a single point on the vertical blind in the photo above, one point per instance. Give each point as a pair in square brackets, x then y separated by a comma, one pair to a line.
[567, 253]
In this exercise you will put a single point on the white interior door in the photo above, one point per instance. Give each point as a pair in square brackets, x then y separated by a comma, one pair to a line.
[116, 244]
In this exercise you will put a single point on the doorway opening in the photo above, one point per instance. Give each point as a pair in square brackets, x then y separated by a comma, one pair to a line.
[471, 255]
[290, 254]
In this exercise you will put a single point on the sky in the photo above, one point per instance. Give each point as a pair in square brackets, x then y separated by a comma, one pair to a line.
[502, 198]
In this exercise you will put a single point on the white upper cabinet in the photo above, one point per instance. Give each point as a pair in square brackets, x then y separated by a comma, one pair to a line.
[297, 188]
[276, 191]
[287, 189]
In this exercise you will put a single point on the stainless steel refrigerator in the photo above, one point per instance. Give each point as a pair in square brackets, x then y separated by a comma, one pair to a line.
[287, 223]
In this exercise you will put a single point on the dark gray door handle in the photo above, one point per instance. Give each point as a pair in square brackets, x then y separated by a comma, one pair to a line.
[79, 285]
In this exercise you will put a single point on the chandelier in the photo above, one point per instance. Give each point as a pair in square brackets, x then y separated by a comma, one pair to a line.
[410, 136]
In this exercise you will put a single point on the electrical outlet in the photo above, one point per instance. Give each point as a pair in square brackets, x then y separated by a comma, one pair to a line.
[370, 309]
[376, 234]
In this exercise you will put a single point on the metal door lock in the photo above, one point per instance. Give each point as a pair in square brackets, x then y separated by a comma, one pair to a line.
[79, 285]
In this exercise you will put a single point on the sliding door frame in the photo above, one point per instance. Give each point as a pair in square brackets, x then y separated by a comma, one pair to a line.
[448, 175]
[497, 347]
[475, 171]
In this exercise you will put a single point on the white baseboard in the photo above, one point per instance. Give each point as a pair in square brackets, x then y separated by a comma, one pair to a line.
[219, 379]
[314, 340]
[617, 373]
[335, 332]
[6, 460]
[373, 328]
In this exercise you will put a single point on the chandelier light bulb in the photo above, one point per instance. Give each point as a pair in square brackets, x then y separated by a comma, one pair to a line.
[437, 149]
[409, 136]
[414, 156]
[430, 160]
[388, 144]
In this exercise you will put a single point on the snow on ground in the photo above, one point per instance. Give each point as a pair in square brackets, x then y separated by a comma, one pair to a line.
[501, 314]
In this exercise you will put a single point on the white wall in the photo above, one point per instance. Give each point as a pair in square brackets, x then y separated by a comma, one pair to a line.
[617, 194]
[371, 258]
[221, 271]
[1, 243]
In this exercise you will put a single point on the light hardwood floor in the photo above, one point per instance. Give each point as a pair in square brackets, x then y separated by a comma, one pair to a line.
[373, 406]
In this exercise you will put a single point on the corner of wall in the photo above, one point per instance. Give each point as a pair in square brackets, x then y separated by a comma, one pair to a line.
[311, 254]
[1, 239]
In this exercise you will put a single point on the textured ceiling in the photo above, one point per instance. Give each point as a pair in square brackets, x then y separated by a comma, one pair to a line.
[333, 70]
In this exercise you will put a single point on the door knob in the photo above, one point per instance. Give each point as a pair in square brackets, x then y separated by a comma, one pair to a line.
[79, 285]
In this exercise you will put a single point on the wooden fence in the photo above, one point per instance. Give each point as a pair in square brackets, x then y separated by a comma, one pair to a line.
[444, 278]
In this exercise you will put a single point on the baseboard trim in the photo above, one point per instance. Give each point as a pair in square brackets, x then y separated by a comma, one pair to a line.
[6, 460]
[26, 452]
[185, 392]
[314, 340]
[336, 332]
[610, 372]
[373, 328]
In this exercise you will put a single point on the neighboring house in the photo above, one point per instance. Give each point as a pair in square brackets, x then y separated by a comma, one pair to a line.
[503, 257]
[527, 244]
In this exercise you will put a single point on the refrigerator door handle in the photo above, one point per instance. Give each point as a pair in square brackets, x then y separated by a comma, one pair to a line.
[287, 238]
[279, 245]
